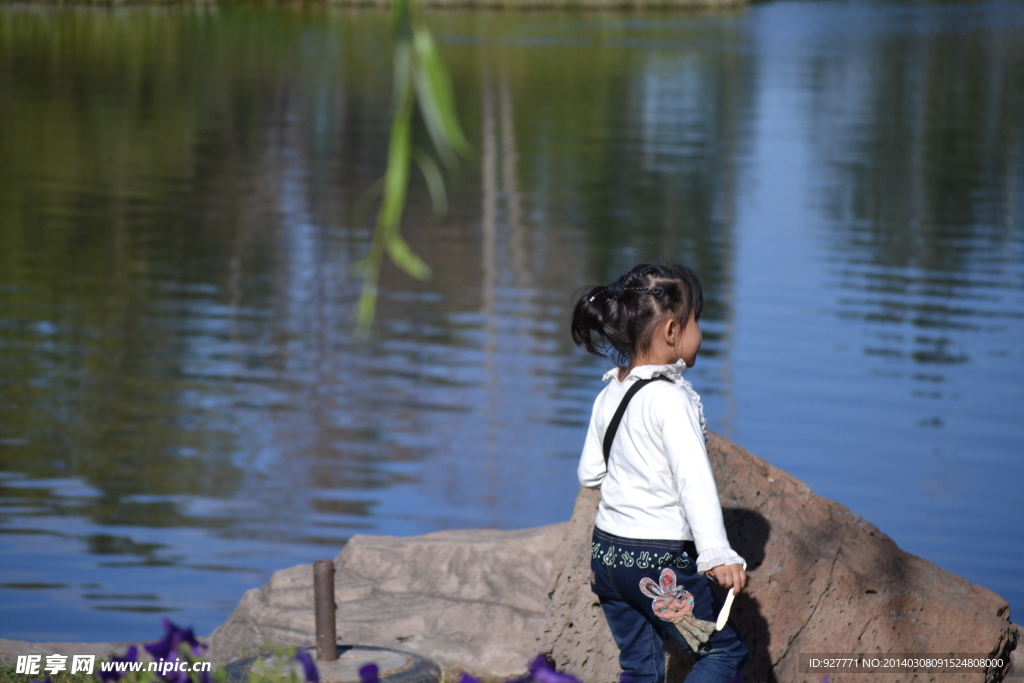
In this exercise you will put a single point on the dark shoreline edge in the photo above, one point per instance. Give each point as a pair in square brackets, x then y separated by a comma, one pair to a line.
[488, 5]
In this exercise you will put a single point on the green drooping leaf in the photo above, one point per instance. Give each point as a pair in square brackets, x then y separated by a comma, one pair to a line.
[436, 101]
[395, 183]
[435, 181]
[400, 92]
[396, 177]
[359, 266]
[421, 78]
[404, 258]
[366, 308]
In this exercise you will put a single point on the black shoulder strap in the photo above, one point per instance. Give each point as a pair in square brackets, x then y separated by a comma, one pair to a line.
[613, 426]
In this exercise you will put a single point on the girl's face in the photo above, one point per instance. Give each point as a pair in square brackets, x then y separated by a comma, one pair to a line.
[672, 341]
[689, 340]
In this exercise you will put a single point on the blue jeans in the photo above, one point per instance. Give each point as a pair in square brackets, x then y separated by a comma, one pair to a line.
[617, 567]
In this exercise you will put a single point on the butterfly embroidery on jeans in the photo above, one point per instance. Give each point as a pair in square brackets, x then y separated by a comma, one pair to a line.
[674, 604]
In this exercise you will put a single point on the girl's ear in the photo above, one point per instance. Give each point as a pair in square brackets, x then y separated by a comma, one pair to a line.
[671, 329]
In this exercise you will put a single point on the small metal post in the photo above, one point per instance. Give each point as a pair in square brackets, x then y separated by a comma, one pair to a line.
[323, 604]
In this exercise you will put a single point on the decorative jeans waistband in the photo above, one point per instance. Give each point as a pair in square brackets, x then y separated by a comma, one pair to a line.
[687, 547]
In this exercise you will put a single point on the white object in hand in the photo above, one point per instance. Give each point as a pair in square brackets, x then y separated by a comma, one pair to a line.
[723, 616]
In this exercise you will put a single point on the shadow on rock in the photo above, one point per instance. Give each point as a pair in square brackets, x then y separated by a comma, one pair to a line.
[748, 532]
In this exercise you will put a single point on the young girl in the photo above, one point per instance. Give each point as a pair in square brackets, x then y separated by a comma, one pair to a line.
[659, 529]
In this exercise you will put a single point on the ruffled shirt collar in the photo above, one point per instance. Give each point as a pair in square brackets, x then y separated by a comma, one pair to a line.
[673, 371]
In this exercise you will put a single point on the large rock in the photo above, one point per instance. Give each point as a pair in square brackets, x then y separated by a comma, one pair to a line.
[466, 599]
[822, 580]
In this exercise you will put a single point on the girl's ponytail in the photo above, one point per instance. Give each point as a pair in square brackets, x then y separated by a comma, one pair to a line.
[613, 311]
[588, 317]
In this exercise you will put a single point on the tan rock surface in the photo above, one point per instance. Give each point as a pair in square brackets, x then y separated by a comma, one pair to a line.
[822, 580]
[473, 599]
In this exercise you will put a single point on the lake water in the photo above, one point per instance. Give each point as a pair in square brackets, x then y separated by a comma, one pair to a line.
[183, 408]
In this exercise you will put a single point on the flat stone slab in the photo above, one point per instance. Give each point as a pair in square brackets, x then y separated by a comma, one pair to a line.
[471, 599]
[393, 666]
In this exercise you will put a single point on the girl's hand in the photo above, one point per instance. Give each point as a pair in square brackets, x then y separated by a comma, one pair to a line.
[729, 576]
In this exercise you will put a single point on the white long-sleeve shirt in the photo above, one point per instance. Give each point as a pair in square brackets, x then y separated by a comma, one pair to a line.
[658, 483]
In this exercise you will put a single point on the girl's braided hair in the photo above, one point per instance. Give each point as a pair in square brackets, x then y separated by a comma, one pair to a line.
[624, 311]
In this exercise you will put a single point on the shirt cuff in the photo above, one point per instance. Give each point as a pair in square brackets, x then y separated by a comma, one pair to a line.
[712, 557]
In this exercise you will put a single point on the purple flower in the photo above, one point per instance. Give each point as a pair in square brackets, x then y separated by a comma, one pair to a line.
[166, 650]
[161, 649]
[130, 655]
[826, 679]
[466, 678]
[173, 636]
[308, 666]
[369, 673]
[542, 672]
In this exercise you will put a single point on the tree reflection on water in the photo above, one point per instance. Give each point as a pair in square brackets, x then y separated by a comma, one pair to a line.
[178, 382]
